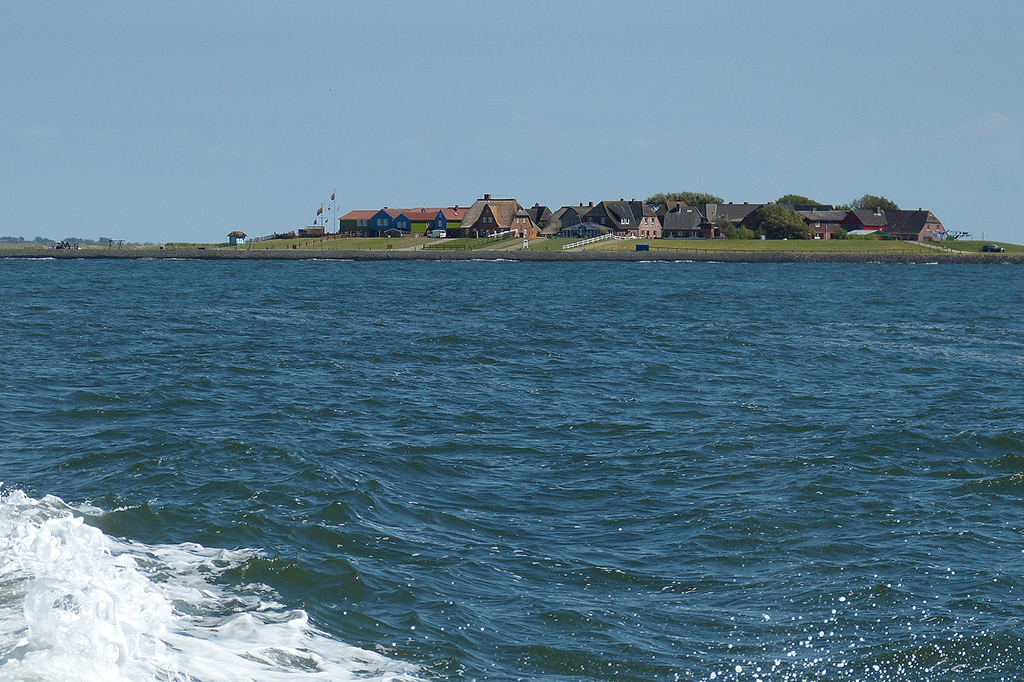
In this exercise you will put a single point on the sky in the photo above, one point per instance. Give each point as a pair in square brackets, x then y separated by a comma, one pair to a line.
[160, 122]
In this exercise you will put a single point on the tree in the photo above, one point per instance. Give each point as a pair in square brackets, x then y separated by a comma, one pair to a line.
[871, 201]
[725, 227]
[797, 199]
[777, 222]
[689, 198]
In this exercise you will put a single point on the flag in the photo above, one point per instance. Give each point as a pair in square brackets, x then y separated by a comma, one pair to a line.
[332, 196]
[320, 210]
[328, 208]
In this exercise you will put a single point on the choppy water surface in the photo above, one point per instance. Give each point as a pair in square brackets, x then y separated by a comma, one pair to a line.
[505, 471]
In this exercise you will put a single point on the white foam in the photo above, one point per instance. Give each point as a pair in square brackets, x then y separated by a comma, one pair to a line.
[76, 604]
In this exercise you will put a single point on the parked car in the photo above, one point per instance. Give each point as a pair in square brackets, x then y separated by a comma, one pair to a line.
[992, 248]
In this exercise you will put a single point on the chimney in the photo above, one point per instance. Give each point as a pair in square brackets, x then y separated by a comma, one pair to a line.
[591, 203]
[487, 197]
[878, 211]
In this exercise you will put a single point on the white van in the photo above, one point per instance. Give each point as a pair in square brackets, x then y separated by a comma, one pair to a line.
[437, 234]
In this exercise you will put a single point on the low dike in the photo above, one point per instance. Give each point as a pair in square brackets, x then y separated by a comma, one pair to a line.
[943, 257]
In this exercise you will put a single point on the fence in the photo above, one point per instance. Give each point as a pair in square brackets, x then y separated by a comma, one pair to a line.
[592, 240]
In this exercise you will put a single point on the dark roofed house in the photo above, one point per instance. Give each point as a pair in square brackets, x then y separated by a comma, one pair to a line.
[626, 218]
[734, 213]
[864, 219]
[568, 221]
[680, 221]
[235, 237]
[823, 220]
[540, 215]
[914, 226]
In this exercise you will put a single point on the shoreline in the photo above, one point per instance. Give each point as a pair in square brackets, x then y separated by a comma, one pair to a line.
[524, 256]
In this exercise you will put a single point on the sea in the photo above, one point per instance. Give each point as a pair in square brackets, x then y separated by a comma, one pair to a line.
[495, 470]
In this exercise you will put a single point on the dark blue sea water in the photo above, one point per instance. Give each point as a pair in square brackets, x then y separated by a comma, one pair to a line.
[510, 471]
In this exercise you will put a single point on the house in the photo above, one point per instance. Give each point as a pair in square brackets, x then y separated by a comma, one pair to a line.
[734, 213]
[488, 217]
[679, 221]
[388, 221]
[626, 218]
[822, 220]
[311, 231]
[235, 237]
[564, 222]
[540, 215]
[864, 219]
[453, 217]
[355, 223]
[408, 221]
[914, 226]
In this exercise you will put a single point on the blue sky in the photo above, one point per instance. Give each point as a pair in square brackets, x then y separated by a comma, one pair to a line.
[184, 121]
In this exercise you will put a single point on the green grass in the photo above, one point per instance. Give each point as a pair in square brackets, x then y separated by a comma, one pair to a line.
[555, 244]
[334, 243]
[463, 244]
[974, 246]
[765, 246]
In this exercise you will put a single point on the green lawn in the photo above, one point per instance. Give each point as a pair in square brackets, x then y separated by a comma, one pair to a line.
[767, 245]
[464, 244]
[974, 246]
[549, 244]
[332, 243]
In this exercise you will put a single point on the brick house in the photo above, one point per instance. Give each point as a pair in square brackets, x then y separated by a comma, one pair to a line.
[914, 226]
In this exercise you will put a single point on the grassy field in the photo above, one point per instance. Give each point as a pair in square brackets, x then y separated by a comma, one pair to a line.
[549, 244]
[462, 244]
[765, 246]
[332, 243]
[974, 246]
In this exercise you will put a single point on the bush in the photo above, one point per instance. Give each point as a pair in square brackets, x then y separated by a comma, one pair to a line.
[776, 222]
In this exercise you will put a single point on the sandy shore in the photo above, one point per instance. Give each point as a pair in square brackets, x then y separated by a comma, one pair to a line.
[539, 256]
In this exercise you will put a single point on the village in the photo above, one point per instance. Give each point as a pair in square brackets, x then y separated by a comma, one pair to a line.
[490, 217]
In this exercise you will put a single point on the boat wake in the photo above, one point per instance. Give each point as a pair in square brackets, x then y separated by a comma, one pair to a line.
[76, 604]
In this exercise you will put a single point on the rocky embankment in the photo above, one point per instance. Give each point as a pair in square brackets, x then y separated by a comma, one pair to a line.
[545, 256]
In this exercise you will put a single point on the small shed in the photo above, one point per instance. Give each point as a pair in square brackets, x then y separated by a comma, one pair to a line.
[235, 237]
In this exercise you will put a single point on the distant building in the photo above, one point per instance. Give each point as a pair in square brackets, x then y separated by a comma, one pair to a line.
[540, 215]
[236, 237]
[823, 220]
[679, 221]
[864, 219]
[565, 222]
[626, 218]
[355, 223]
[734, 213]
[400, 221]
[914, 226]
[489, 217]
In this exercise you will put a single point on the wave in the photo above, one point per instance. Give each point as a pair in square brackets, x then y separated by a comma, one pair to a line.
[76, 604]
